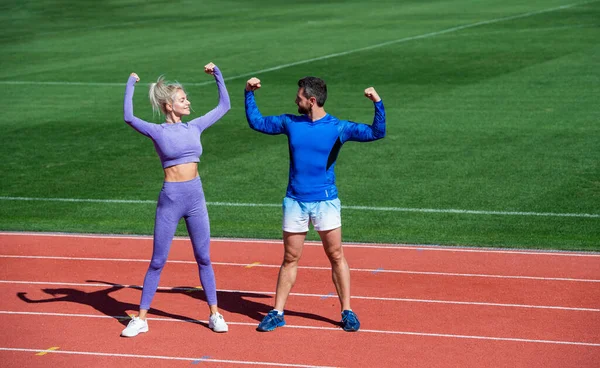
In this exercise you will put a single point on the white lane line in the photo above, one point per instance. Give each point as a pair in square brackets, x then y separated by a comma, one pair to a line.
[336, 329]
[412, 38]
[337, 54]
[459, 249]
[318, 268]
[472, 212]
[61, 83]
[464, 249]
[163, 357]
[274, 205]
[328, 269]
[307, 295]
[529, 30]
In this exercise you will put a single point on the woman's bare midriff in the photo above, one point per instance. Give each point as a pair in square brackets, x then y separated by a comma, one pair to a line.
[183, 172]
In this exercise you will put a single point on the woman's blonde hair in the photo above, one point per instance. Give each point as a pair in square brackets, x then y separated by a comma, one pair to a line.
[162, 93]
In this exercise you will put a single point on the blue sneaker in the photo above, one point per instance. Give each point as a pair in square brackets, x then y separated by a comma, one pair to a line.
[350, 321]
[271, 321]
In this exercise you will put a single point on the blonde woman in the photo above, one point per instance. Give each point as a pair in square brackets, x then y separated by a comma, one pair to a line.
[179, 149]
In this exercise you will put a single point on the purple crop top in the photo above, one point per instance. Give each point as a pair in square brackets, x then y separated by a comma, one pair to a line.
[177, 143]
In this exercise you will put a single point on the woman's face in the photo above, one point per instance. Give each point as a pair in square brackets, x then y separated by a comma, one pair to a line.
[181, 105]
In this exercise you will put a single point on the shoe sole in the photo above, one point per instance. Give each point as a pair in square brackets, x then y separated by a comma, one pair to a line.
[281, 324]
[350, 329]
[139, 332]
[219, 331]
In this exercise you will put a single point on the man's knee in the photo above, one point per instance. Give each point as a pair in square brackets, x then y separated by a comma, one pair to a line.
[335, 254]
[293, 244]
[291, 258]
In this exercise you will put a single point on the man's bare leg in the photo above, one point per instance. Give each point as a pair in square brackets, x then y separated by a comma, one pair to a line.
[293, 243]
[340, 272]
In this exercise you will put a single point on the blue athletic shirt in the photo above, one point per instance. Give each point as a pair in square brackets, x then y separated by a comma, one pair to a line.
[314, 146]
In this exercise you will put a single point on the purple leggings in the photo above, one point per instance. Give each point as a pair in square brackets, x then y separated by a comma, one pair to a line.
[177, 200]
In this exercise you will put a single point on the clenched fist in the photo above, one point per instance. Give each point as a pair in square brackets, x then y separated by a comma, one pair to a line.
[209, 68]
[253, 84]
[372, 95]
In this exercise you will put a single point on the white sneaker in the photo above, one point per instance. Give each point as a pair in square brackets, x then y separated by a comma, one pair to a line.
[134, 327]
[217, 323]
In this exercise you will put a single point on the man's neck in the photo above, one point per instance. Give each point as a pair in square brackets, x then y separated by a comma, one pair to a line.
[316, 114]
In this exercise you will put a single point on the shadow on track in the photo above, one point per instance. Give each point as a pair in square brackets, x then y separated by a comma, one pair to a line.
[237, 302]
[100, 300]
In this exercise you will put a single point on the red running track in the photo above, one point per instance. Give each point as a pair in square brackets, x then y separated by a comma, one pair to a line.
[419, 306]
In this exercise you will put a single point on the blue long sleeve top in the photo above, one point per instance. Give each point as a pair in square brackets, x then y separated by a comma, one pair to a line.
[314, 146]
[177, 143]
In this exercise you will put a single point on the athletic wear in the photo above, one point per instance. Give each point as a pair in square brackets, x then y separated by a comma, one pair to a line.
[314, 146]
[271, 321]
[135, 327]
[177, 144]
[350, 321]
[311, 192]
[324, 215]
[217, 323]
[176, 200]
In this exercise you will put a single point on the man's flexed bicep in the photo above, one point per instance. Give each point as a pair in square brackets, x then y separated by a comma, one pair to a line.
[359, 132]
[263, 124]
[362, 132]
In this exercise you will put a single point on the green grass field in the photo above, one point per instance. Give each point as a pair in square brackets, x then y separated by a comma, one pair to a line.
[493, 114]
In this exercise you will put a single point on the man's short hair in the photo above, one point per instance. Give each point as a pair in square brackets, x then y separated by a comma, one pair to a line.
[314, 87]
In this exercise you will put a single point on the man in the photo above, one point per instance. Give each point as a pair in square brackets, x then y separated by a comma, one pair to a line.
[314, 140]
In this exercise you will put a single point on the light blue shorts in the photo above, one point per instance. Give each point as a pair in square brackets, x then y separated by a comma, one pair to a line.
[324, 215]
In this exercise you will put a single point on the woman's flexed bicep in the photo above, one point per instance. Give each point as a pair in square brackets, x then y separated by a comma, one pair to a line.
[222, 108]
[136, 123]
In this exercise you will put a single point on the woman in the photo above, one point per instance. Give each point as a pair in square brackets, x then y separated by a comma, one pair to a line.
[178, 146]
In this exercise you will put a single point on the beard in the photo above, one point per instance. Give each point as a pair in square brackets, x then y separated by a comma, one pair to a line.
[303, 110]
